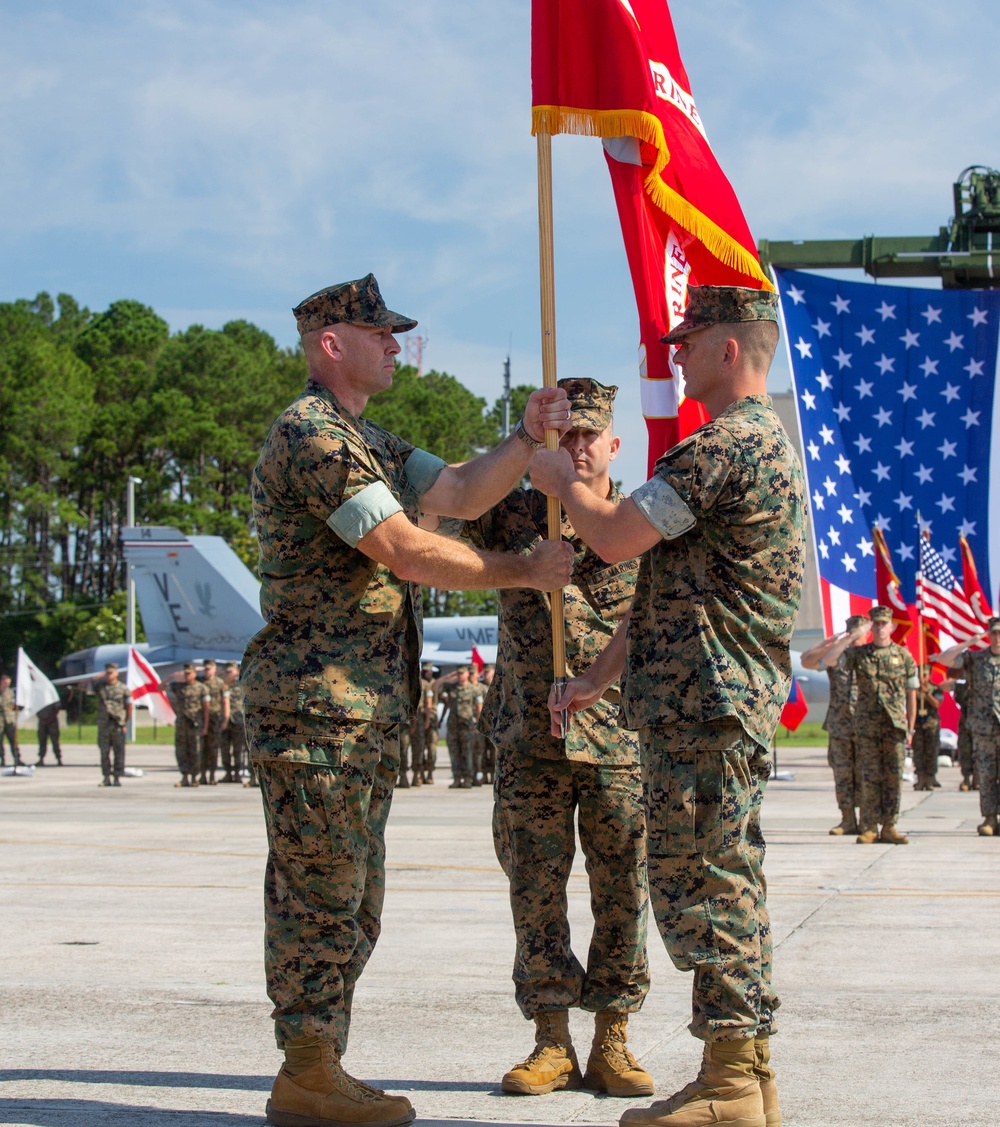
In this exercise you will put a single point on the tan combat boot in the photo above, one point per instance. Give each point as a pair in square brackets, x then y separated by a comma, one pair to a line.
[726, 1093]
[891, 836]
[867, 836]
[611, 1067]
[312, 1090]
[765, 1077]
[552, 1063]
[848, 823]
[988, 827]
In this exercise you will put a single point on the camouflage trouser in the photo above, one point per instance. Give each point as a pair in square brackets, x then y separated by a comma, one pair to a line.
[705, 855]
[966, 760]
[489, 757]
[325, 878]
[430, 748]
[234, 744]
[987, 752]
[534, 804]
[478, 753]
[8, 732]
[404, 748]
[49, 730]
[111, 745]
[842, 755]
[211, 743]
[881, 751]
[925, 749]
[460, 736]
[187, 745]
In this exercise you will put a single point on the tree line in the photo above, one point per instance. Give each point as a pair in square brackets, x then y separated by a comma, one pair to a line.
[89, 399]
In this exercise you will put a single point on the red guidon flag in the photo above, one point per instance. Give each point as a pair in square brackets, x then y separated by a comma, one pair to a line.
[611, 69]
[889, 595]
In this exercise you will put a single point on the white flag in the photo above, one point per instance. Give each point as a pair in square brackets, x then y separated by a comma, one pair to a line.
[34, 689]
[147, 688]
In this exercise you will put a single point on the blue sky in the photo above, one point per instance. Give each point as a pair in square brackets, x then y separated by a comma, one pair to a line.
[219, 160]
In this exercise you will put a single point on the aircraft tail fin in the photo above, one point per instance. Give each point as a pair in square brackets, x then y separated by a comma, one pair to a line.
[194, 592]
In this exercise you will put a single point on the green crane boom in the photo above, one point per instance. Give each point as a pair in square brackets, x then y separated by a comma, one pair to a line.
[965, 255]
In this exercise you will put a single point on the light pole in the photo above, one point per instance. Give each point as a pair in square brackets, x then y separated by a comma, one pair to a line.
[130, 587]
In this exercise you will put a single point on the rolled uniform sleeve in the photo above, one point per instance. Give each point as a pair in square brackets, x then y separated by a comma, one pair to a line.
[660, 503]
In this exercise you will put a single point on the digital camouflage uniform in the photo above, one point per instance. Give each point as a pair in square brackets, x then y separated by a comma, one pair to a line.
[424, 732]
[926, 745]
[8, 725]
[842, 752]
[541, 781]
[966, 762]
[328, 681]
[706, 674]
[883, 673]
[211, 744]
[463, 705]
[48, 730]
[479, 740]
[982, 675]
[112, 715]
[188, 701]
[234, 737]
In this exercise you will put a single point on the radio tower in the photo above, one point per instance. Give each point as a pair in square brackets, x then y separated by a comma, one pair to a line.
[415, 352]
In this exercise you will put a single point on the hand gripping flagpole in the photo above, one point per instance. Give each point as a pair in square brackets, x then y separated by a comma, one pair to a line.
[547, 285]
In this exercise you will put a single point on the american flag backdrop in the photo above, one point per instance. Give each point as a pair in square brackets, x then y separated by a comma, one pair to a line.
[942, 601]
[894, 388]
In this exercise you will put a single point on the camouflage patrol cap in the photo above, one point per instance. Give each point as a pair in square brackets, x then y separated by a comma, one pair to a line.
[880, 614]
[190, 667]
[592, 404]
[723, 305]
[352, 303]
[993, 623]
[109, 665]
[857, 620]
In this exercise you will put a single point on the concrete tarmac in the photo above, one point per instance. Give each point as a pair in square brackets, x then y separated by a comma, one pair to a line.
[132, 984]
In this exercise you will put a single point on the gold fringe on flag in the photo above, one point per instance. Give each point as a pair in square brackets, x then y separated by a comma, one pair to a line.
[647, 127]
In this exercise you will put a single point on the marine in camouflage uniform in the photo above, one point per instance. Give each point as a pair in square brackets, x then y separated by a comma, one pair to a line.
[234, 734]
[706, 673]
[188, 698]
[114, 707]
[887, 682]
[487, 750]
[464, 704]
[926, 745]
[8, 721]
[839, 723]
[963, 751]
[333, 673]
[48, 731]
[424, 730]
[982, 675]
[214, 718]
[544, 783]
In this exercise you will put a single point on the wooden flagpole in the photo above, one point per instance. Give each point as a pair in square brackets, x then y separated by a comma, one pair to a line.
[547, 286]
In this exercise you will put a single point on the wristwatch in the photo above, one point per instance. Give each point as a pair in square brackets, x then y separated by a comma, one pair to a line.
[523, 435]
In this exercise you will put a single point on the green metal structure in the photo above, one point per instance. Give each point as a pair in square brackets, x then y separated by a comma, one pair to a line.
[965, 255]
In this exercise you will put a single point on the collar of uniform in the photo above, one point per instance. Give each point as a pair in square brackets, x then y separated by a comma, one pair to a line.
[746, 401]
[320, 392]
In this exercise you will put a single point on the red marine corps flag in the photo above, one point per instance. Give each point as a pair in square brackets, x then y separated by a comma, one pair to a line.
[612, 69]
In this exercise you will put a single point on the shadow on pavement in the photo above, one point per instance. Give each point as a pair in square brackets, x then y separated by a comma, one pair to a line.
[59, 1113]
[138, 1079]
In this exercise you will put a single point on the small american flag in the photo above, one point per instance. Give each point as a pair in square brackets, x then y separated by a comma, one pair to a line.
[940, 597]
